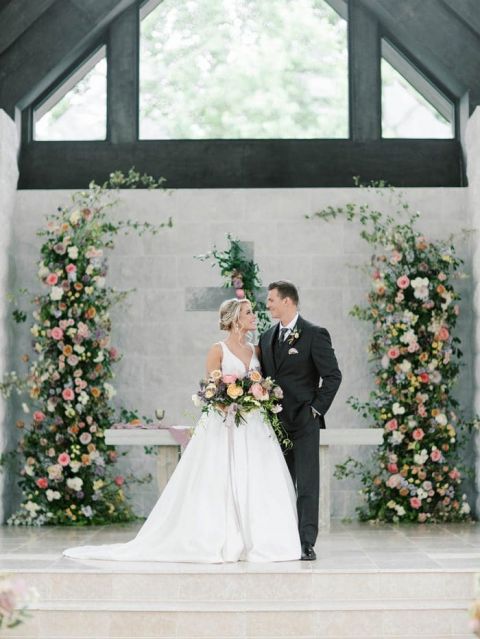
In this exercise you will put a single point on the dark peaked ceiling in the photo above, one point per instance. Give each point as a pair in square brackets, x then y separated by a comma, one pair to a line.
[39, 40]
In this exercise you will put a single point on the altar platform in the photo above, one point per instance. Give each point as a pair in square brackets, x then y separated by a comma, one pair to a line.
[369, 581]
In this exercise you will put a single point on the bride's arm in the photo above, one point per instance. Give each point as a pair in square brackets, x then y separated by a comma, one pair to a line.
[214, 358]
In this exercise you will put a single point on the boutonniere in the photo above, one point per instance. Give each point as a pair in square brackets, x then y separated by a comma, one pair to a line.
[292, 351]
[294, 335]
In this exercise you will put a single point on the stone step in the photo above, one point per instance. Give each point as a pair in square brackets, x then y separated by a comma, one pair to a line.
[300, 586]
[389, 623]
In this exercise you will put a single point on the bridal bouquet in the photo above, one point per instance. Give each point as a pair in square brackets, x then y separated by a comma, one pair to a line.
[234, 397]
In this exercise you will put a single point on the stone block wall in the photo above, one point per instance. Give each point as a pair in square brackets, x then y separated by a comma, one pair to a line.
[164, 344]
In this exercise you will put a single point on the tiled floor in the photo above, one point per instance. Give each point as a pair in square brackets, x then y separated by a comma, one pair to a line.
[348, 546]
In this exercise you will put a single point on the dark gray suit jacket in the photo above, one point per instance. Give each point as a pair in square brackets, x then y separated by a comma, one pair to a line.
[299, 373]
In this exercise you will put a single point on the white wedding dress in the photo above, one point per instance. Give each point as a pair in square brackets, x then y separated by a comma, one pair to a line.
[230, 498]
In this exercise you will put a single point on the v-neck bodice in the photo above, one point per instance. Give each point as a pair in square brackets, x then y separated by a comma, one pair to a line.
[233, 365]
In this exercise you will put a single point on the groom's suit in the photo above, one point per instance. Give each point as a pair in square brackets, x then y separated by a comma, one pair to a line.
[298, 365]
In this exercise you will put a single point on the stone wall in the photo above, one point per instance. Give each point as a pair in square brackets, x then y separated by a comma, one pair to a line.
[164, 344]
[8, 185]
[473, 204]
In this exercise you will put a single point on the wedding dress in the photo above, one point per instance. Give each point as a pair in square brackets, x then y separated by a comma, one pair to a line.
[230, 498]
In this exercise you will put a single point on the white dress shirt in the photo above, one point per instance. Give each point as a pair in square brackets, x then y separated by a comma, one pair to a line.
[290, 326]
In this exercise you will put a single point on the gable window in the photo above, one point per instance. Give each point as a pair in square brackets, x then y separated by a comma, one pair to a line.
[243, 69]
[77, 108]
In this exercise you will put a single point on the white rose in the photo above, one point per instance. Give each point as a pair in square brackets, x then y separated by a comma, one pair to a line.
[75, 483]
[109, 390]
[405, 366]
[52, 494]
[100, 281]
[79, 349]
[56, 293]
[441, 419]
[72, 252]
[75, 466]
[89, 269]
[400, 510]
[397, 409]
[100, 357]
[397, 437]
[32, 507]
[75, 218]
[197, 402]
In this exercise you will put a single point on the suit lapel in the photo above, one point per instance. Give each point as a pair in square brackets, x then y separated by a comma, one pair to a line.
[283, 355]
[270, 340]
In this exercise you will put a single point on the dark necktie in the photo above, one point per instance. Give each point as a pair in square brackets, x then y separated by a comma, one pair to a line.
[283, 332]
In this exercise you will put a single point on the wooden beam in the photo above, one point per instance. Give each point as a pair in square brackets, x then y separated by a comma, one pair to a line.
[365, 84]
[122, 77]
[51, 45]
[467, 10]
[246, 163]
[17, 16]
[445, 48]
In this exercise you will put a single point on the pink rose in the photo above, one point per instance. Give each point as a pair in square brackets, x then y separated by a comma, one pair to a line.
[393, 352]
[415, 502]
[443, 334]
[57, 333]
[435, 455]
[403, 282]
[72, 360]
[394, 481]
[391, 425]
[85, 438]
[392, 468]
[442, 277]
[52, 279]
[454, 474]
[70, 268]
[240, 293]
[68, 394]
[63, 459]
[38, 416]
[418, 434]
[42, 482]
[258, 392]
[413, 347]
[422, 411]
[229, 379]
[119, 480]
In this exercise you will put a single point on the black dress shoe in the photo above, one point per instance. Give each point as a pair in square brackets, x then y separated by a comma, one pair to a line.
[308, 553]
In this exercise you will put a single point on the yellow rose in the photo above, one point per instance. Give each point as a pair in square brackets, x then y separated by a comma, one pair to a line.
[255, 376]
[234, 391]
[216, 375]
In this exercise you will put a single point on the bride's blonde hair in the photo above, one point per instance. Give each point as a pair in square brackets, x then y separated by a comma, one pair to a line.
[230, 313]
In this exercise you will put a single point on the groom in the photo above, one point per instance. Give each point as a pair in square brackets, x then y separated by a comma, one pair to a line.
[297, 355]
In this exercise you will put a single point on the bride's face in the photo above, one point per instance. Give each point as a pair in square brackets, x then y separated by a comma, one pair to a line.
[247, 319]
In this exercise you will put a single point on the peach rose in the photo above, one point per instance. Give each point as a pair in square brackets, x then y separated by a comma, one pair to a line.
[255, 376]
[443, 334]
[234, 391]
[216, 375]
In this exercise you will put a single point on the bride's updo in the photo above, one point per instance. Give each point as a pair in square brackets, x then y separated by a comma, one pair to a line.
[230, 313]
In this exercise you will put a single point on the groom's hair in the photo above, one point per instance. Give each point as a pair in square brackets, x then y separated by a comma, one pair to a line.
[285, 289]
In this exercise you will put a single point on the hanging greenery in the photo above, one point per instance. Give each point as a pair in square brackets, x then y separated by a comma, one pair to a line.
[67, 470]
[413, 310]
[241, 274]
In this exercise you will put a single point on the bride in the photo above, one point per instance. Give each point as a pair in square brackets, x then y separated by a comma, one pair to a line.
[231, 497]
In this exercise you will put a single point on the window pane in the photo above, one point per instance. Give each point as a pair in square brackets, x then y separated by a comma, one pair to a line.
[243, 69]
[77, 110]
[406, 113]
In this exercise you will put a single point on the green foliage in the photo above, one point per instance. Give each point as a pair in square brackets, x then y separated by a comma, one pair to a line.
[242, 274]
[415, 474]
[67, 472]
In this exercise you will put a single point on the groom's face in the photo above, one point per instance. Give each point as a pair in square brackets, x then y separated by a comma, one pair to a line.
[275, 304]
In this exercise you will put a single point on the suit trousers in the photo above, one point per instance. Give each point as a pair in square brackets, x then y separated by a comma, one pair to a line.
[303, 462]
